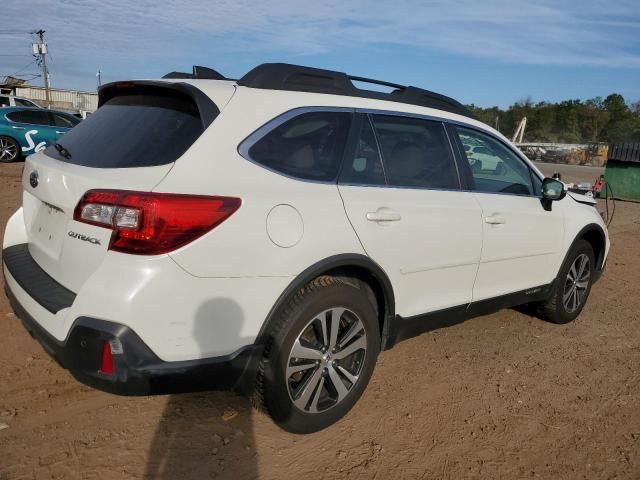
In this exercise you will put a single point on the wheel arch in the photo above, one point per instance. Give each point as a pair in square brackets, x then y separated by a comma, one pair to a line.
[345, 266]
[595, 236]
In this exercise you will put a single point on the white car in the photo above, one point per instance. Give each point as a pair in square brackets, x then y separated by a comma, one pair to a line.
[274, 234]
[13, 101]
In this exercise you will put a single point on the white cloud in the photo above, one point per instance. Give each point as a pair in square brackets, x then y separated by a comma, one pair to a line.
[118, 34]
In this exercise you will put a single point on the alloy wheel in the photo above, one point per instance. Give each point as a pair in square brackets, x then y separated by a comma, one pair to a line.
[8, 150]
[576, 283]
[326, 360]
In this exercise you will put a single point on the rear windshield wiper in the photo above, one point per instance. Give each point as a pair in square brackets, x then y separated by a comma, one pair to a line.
[62, 151]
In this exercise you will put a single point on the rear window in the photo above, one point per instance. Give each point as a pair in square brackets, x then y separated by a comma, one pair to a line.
[133, 131]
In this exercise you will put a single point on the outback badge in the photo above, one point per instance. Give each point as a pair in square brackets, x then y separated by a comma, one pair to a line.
[84, 238]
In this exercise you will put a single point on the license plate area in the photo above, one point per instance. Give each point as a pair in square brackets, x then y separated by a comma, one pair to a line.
[47, 228]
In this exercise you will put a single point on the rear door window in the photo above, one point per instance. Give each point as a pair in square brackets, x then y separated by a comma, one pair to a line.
[135, 130]
[364, 167]
[308, 146]
[416, 152]
[33, 117]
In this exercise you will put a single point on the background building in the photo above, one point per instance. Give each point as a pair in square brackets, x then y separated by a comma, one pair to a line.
[60, 99]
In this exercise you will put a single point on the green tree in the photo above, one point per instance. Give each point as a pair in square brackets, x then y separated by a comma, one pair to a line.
[569, 121]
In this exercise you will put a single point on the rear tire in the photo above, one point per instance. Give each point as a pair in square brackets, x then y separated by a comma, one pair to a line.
[572, 286]
[10, 150]
[319, 355]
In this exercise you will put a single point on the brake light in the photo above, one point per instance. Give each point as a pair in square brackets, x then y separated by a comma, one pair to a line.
[148, 223]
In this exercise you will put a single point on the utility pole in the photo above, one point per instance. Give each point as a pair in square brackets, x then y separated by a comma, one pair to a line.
[40, 50]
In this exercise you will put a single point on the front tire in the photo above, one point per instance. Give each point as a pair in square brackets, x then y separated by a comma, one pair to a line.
[320, 355]
[572, 286]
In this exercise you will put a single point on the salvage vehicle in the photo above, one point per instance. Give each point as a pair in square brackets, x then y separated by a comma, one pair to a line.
[274, 234]
[26, 130]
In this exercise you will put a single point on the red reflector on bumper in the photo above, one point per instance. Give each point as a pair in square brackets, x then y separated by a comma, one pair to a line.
[106, 363]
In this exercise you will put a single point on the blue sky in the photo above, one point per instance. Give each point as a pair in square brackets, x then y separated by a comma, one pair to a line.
[489, 52]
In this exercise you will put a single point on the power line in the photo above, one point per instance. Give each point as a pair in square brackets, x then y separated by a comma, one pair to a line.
[26, 66]
[25, 76]
[14, 32]
[22, 74]
[19, 72]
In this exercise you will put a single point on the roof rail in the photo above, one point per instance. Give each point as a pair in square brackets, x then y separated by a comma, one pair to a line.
[283, 76]
[200, 73]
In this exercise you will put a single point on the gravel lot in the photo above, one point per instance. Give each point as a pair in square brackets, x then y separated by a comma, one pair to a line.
[502, 396]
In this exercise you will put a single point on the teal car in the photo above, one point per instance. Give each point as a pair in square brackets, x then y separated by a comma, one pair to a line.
[26, 130]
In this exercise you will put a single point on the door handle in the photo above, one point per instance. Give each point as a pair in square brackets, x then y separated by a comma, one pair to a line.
[495, 219]
[17, 128]
[383, 214]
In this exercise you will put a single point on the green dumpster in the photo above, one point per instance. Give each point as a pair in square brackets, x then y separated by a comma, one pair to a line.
[622, 172]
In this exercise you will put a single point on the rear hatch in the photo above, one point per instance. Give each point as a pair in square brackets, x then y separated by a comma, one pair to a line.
[130, 143]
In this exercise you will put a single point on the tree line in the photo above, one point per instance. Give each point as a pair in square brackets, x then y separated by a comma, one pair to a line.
[571, 121]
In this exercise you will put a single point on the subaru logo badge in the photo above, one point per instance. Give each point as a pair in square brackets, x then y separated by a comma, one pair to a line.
[33, 179]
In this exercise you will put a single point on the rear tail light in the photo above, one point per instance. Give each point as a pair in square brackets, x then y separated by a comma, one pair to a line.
[153, 223]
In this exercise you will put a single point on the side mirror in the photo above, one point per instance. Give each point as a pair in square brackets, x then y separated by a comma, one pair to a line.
[552, 190]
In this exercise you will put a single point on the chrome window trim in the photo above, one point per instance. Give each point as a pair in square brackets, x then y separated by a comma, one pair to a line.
[246, 144]
[397, 187]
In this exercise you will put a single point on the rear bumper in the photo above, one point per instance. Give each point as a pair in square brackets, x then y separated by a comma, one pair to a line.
[138, 371]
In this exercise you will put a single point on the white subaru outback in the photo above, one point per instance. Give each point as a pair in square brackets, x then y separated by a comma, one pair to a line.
[274, 234]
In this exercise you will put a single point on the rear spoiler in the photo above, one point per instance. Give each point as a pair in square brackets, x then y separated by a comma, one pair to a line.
[206, 107]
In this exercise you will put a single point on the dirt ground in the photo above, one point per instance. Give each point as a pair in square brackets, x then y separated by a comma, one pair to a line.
[502, 396]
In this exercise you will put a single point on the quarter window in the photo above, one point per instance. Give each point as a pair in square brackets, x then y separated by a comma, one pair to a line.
[416, 152]
[64, 120]
[495, 168]
[309, 146]
[24, 103]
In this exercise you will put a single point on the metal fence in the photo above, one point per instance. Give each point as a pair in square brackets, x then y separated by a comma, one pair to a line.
[63, 99]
